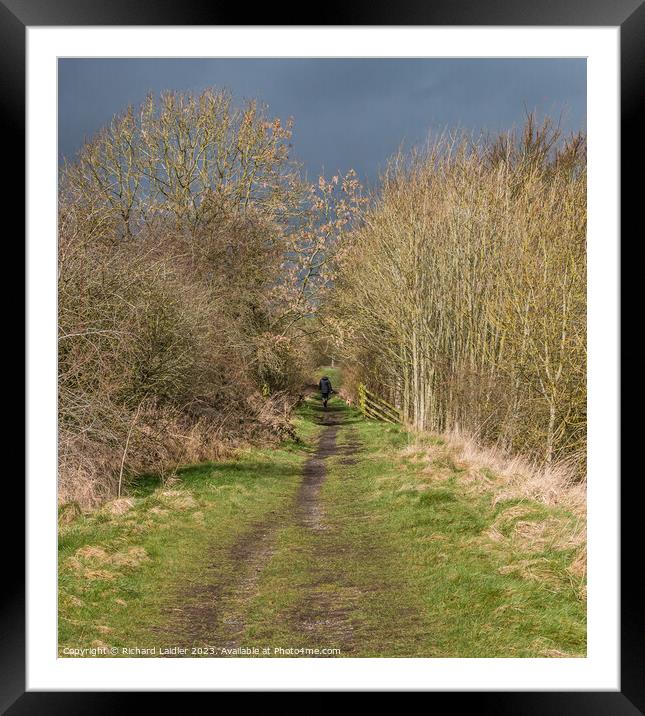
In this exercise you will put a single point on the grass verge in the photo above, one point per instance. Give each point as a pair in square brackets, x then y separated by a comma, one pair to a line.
[122, 569]
[460, 573]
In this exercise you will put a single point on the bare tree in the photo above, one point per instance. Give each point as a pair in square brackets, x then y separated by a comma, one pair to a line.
[463, 293]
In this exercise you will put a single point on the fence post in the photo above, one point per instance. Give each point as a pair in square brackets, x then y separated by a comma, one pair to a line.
[361, 397]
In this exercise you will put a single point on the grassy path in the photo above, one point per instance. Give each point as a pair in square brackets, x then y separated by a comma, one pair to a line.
[349, 541]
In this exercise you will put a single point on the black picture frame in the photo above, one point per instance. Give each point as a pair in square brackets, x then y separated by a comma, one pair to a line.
[17, 15]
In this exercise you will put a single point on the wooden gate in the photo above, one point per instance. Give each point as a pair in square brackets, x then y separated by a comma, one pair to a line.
[376, 408]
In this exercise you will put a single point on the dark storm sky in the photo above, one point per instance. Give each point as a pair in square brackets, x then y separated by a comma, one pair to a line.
[349, 113]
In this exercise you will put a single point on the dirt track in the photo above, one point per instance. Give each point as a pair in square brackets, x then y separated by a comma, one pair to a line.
[214, 612]
[308, 511]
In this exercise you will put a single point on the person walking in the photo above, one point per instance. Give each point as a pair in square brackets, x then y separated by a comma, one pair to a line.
[325, 390]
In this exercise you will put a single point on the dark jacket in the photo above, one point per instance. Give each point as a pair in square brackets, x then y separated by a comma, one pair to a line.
[325, 385]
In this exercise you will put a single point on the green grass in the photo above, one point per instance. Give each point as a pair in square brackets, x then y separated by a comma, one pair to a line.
[449, 564]
[121, 605]
[406, 561]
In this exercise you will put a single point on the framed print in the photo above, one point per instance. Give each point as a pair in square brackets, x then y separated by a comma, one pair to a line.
[322, 354]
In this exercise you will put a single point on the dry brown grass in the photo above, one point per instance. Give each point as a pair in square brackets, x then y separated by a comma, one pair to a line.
[98, 575]
[177, 499]
[539, 569]
[518, 477]
[118, 507]
[578, 567]
[95, 563]
[501, 478]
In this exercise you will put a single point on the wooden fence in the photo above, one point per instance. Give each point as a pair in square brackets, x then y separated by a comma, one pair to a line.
[375, 408]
